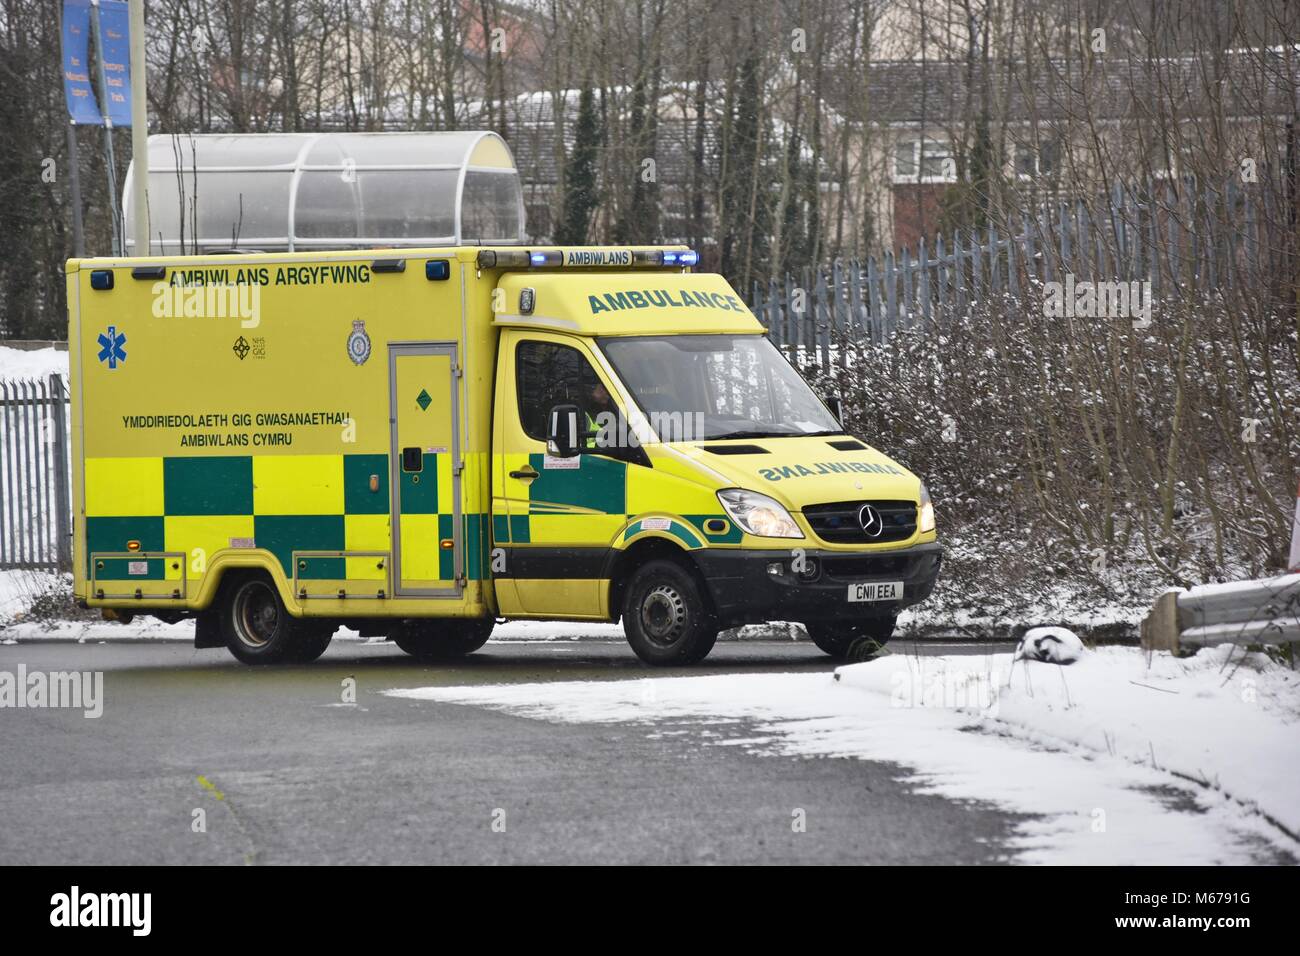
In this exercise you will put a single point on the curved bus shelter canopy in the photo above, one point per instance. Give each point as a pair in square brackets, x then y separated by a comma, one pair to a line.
[276, 192]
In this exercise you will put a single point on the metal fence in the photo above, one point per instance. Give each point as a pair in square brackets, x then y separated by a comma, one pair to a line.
[35, 503]
[1175, 235]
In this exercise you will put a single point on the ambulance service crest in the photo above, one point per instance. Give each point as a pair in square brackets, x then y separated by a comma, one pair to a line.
[359, 342]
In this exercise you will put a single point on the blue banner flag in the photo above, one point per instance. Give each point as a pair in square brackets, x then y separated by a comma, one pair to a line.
[77, 90]
[115, 55]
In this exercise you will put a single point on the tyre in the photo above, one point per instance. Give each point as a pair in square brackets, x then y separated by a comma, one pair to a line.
[441, 639]
[852, 640]
[258, 629]
[665, 616]
[312, 644]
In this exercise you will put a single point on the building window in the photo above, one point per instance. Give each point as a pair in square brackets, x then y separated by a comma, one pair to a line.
[1172, 162]
[1035, 161]
[924, 161]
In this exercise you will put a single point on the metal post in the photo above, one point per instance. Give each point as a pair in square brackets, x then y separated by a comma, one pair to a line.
[6, 496]
[74, 184]
[62, 473]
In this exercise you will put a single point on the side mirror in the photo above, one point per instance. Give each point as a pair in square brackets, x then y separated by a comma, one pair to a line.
[563, 436]
[836, 405]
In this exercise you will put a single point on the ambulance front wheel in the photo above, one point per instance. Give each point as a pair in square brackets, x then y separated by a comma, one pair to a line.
[441, 639]
[259, 629]
[665, 616]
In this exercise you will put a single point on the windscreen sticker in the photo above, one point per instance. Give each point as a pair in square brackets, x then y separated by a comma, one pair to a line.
[555, 463]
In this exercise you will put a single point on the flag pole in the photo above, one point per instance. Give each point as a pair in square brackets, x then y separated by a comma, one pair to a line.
[74, 182]
[139, 131]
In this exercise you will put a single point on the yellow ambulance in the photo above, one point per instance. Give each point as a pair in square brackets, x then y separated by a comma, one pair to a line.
[418, 443]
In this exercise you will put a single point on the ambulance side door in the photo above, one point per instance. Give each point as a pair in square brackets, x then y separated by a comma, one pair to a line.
[425, 470]
[554, 519]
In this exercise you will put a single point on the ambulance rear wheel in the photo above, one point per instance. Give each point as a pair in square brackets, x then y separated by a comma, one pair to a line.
[441, 640]
[852, 641]
[258, 629]
[665, 617]
[312, 644]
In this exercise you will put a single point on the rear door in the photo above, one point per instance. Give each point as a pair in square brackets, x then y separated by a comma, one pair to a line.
[426, 468]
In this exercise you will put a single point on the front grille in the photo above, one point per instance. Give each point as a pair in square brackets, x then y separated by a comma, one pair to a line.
[837, 523]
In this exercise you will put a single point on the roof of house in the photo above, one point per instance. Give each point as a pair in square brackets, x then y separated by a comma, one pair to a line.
[531, 131]
[1248, 82]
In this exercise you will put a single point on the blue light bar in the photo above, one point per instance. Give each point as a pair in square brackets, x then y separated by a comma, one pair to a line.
[688, 258]
[551, 257]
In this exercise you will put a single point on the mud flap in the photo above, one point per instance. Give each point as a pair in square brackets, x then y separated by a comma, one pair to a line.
[207, 630]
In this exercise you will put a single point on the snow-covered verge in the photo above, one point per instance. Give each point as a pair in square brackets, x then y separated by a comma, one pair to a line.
[37, 599]
[32, 364]
[1116, 759]
[995, 582]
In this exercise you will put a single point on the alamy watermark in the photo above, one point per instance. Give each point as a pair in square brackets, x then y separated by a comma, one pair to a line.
[946, 690]
[615, 430]
[76, 909]
[241, 301]
[74, 690]
[1098, 300]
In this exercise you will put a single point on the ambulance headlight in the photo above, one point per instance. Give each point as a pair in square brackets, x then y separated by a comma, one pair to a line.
[927, 510]
[758, 514]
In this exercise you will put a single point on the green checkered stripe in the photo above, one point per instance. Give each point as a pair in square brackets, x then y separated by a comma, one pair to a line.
[223, 486]
[599, 485]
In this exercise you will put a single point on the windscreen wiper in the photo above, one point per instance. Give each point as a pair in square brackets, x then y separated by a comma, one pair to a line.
[727, 436]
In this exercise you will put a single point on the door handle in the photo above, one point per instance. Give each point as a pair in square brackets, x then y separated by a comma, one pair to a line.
[524, 473]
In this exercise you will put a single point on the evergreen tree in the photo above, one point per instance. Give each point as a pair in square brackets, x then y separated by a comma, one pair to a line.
[581, 191]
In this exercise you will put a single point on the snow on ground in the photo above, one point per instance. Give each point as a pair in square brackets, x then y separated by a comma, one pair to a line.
[38, 363]
[1118, 760]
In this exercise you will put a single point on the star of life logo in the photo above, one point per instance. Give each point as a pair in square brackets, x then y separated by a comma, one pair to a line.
[110, 346]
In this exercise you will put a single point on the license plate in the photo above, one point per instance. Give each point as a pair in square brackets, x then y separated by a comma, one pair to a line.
[876, 591]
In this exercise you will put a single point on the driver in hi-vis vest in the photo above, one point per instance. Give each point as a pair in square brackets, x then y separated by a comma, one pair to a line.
[599, 401]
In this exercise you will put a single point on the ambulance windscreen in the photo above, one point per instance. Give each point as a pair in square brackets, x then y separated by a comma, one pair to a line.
[729, 386]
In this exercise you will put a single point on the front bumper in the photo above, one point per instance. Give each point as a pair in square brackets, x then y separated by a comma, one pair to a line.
[746, 591]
